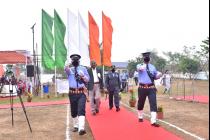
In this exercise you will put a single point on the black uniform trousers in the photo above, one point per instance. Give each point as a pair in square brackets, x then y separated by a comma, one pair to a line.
[77, 104]
[142, 94]
[114, 95]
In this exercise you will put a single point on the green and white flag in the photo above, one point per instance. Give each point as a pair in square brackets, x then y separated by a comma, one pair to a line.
[59, 35]
[47, 41]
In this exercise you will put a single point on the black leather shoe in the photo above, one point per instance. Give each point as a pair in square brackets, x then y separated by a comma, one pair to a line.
[155, 125]
[110, 108]
[82, 132]
[117, 109]
[93, 113]
[97, 111]
[75, 129]
[141, 120]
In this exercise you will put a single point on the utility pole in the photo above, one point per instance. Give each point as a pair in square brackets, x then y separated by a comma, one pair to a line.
[34, 58]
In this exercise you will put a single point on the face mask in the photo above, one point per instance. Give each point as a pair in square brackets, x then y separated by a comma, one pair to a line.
[75, 63]
[93, 66]
[146, 59]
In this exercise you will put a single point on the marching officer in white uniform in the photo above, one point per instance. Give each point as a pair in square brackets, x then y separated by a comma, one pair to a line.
[147, 73]
[78, 78]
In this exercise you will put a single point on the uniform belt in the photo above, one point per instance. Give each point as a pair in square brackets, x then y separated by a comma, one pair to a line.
[76, 90]
[146, 85]
[96, 83]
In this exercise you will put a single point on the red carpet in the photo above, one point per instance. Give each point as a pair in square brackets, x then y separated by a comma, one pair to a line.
[31, 104]
[123, 125]
[201, 99]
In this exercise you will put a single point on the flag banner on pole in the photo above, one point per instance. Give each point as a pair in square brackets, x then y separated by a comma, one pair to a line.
[107, 39]
[94, 40]
[72, 33]
[59, 35]
[83, 42]
[47, 41]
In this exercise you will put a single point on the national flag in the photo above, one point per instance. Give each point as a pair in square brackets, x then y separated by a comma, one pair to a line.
[94, 40]
[59, 35]
[107, 40]
[72, 33]
[47, 41]
[83, 41]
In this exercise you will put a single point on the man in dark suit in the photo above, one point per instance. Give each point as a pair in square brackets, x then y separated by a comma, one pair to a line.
[94, 85]
[113, 86]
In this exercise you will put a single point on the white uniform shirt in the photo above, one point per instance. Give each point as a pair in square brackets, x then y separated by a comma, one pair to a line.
[95, 75]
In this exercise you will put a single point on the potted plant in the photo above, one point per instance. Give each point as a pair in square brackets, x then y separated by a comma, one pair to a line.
[29, 96]
[132, 100]
[160, 112]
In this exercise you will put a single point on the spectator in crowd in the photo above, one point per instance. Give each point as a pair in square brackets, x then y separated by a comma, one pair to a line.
[166, 81]
[135, 76]
[124, 80]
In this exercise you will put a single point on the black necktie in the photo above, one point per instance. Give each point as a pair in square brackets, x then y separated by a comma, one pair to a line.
[75, 74]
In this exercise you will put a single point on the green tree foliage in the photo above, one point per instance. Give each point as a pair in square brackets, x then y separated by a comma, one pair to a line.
[173, 57]
[203, 55]
[132, 65]
[160, 64]
[205, 47]
[188, 65]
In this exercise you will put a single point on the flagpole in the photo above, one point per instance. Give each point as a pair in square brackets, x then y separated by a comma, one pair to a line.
[56, 95]
[103, 75]
[26, 66]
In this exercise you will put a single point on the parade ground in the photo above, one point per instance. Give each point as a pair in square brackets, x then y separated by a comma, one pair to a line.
[104, 70]
[51, 120]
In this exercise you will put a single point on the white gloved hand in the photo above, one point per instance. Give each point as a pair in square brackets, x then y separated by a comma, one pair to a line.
[67, 63]
[99, 75]
[141, 67]
[81, 73]
[159, 74]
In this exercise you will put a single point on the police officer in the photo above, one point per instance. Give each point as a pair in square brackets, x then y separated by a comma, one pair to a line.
[124, 79]
[147, 75]
[77, 77]
[94, 85]
[113, 86]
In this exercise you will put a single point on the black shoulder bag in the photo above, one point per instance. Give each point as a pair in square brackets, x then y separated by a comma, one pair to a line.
[151, 76]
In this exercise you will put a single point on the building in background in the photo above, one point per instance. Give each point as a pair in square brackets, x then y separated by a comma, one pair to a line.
[121, 66]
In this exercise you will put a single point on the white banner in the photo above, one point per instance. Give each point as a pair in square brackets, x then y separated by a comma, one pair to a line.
[83, 42]
[62, 86]
[6, 91]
